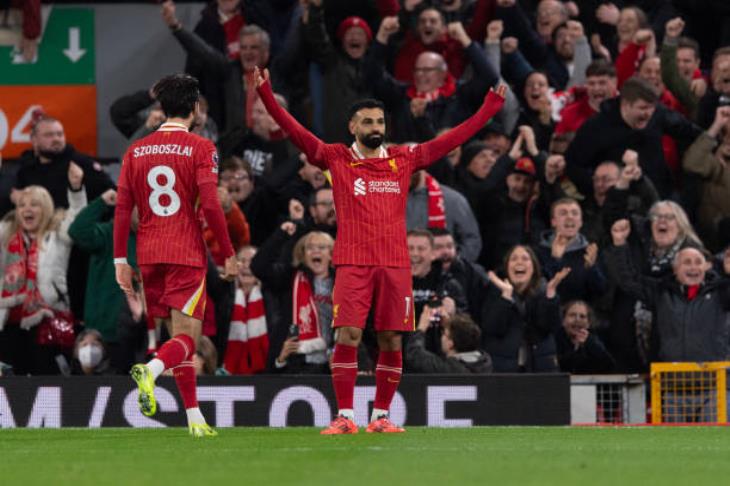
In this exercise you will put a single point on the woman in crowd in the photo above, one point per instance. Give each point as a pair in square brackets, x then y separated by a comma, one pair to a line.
[521, 314]
[303, 285]
[34, 253]
[580, 350]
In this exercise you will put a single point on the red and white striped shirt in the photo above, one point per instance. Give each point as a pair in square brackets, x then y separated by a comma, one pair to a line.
[371, 193]
[170, 175]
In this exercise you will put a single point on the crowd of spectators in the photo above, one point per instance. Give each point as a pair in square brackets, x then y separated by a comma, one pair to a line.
[585, 229]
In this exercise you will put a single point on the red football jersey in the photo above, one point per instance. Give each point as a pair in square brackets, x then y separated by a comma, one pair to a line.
[371, 194]
[161, 172]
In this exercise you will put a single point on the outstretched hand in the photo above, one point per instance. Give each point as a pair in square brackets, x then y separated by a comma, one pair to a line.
[259, 76]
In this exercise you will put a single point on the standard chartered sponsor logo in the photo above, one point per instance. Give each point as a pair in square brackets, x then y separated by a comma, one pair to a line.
[359, 187]
[384, 186]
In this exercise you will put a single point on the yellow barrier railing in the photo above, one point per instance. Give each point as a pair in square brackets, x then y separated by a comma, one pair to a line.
[689, 392]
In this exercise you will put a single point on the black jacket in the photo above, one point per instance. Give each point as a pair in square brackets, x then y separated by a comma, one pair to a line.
[420, 360]
[529, 322]
[684, 330]
[591, 357]
[581, 283]
[54, 175]
[440, 113]
[606, 136]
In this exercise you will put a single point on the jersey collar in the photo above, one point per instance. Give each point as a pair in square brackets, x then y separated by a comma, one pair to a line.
[356, 151]
[172, 127]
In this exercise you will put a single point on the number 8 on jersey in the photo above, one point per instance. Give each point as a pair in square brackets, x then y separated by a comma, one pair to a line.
[158, 190]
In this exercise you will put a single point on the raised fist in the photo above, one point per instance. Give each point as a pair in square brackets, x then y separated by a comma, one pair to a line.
[109, 197]
[608, 13]
[620, 231]
[674, 27]
[418, 107]
[388, 27]
[456, 31]
[495, 28]
[630, 157]
[643, 36]
[75, 176]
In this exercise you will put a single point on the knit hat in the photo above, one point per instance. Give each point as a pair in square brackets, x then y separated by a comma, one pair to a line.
[525, 165]
[351, 22]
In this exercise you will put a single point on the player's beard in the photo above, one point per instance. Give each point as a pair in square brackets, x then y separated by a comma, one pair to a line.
[372, 140]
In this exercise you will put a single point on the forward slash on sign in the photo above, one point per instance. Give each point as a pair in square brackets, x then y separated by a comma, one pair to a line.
[74, 51]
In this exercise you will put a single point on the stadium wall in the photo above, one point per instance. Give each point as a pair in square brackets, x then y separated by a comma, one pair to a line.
[278, 401]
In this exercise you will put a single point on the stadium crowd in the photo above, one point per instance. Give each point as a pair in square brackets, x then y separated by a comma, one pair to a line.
[586, 229]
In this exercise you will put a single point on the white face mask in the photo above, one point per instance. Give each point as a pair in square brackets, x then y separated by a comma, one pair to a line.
[90, 355]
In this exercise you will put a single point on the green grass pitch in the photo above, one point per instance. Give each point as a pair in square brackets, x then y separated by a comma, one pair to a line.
[496, 456]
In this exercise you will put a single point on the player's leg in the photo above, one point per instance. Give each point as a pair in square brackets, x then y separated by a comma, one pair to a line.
[350, 304]
[184, 373]
[146, 374]
[393, 315]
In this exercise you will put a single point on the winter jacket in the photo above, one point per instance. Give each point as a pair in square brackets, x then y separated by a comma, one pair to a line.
[685, 330]
[52, 258]
[715, 205]
[54, 175]
[591, 357]
[606, 137]
[526, 322]
[104, 299]
[581, 283]
[445, 111]
[343, 82]
[420, 360]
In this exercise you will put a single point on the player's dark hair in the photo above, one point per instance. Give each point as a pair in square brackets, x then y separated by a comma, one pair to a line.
[364, 104]
[465, 334]
[601, 67]
[177, 95]
[635, 89]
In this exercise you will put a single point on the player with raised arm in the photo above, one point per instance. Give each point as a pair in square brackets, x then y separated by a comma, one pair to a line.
[370, 184]
[170, 176]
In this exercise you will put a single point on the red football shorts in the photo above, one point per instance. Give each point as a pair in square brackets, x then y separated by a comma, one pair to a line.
[168, 286]
[388, 289]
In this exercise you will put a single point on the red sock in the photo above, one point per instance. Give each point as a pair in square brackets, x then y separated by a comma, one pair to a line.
[176, 350]
[186, 382]
[387, 377]
[344, 374]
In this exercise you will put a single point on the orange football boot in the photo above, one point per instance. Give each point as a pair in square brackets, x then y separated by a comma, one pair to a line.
[340, 425]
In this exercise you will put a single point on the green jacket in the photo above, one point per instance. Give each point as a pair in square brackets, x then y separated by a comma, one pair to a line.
[104, 298]
[674, 81]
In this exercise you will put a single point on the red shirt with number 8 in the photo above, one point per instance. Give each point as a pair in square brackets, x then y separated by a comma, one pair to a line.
[162, 173]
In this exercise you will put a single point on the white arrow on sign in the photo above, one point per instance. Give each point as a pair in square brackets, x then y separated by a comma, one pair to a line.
[74, 51]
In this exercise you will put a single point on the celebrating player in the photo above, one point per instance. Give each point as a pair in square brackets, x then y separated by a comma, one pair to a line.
[170, 175]
[370, 183]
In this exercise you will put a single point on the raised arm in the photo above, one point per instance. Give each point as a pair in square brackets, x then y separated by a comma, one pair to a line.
[300, 136]
[433, 150]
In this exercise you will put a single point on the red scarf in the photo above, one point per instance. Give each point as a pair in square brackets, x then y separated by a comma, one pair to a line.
[436, 208]
[248, 340]
[445, 90]
[20, 295]
[692, 291]
[304, 310]
[231, 28]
